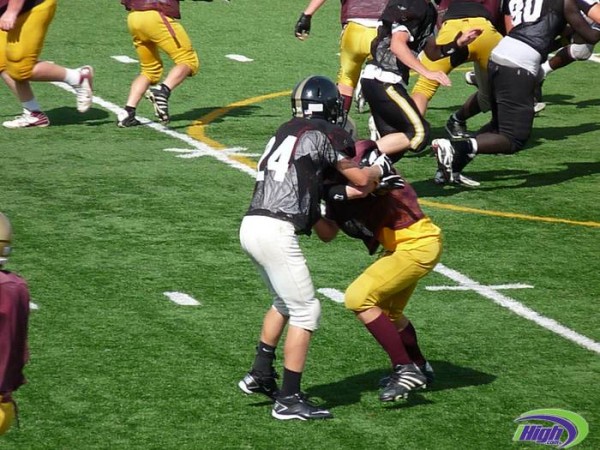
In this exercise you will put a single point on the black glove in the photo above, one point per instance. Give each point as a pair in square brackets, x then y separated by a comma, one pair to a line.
[302, 29]
[389, 183]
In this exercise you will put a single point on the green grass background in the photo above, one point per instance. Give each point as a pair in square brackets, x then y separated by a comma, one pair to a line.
[106, 222]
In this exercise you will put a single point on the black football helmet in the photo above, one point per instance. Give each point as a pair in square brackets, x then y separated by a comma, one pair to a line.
[317, 97]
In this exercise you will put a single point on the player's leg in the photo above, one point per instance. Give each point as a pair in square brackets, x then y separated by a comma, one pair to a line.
[355, 48]
[397, 118]
[176, 43]
[424, 89]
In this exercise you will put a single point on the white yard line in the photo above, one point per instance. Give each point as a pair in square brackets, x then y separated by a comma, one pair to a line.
[182, 299]
[485, 291]
[519, 308]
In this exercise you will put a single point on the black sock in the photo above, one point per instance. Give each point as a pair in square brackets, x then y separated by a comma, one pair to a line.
[130, 110]
[263, 362]
[291, 382]
[165, 89]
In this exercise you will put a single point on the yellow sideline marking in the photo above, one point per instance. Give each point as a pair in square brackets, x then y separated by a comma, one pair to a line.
[198, 131]
[485, 212]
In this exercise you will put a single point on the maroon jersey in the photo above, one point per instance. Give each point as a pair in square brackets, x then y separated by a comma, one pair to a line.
[361, 9]
[364, 218]
[28, 5]
[14, 316]
[169, 8]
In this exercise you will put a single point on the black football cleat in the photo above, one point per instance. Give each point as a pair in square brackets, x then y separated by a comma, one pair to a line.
[297, 406]
[404, 379]
[456, 128]
[255, 383]
[159, 97]
[425, 368]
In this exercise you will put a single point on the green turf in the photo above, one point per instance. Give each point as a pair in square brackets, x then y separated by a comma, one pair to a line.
[106, 222]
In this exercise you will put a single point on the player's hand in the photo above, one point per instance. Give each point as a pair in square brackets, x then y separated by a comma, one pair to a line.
[302, 28]
[385, 164]
[464, 39]
[438, 76]
[389, 183]
[7, 21]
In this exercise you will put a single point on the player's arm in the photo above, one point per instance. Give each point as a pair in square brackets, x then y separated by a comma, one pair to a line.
[363, 177]
[457, 49]
[302, 28]
[399, 46]
[578, 23]
[594, 13]
[9, 18]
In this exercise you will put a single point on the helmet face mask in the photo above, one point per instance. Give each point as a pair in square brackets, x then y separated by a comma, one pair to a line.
[5, 237]
[317, 97]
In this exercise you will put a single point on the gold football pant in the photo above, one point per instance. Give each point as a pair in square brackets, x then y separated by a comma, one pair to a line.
[390, 281]
[355, 49]
[479, 53]
[25, 41]
[7, 415]
[150, 33]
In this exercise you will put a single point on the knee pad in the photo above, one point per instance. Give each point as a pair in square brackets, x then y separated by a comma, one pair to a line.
[581, 52]
[19, 71]
[153, 72]
[193, 63]
[190, 59]
[7, 416]
[356, 297]
[307, 316]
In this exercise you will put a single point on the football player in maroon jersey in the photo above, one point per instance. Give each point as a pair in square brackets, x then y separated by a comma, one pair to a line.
[412, 246]
[155, 25]
[359, 19]
[14, 315]
[23, 28]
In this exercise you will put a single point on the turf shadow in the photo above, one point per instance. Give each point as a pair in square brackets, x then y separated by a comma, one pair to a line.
[568, 171]
[195, 114]
[66, 115]
[348, 390]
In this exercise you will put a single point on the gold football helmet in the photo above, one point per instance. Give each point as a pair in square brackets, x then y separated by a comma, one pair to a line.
[5, 235]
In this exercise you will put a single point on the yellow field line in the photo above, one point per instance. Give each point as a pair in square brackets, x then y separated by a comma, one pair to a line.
[197, 130]
[485, 212]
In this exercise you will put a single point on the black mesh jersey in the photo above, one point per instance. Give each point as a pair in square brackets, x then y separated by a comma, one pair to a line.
[417, 17]
[289, 182]
[537, 23]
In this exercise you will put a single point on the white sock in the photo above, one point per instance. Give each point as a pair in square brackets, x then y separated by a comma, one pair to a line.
[31, 105]
[73, 76]
[474, 145]
[546, 68]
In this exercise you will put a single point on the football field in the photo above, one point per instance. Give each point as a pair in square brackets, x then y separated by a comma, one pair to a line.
[146, 310]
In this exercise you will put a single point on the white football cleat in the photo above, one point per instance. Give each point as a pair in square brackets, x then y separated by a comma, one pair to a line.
[444, 153]
[29, 119]
[84, 90]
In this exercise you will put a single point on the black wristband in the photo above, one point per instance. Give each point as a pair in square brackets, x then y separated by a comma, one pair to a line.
[449, 49]
[337, 193]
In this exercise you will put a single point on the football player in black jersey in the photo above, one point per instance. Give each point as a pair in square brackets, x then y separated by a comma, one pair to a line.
[285, 204]
[407, 29]
[514, 73]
